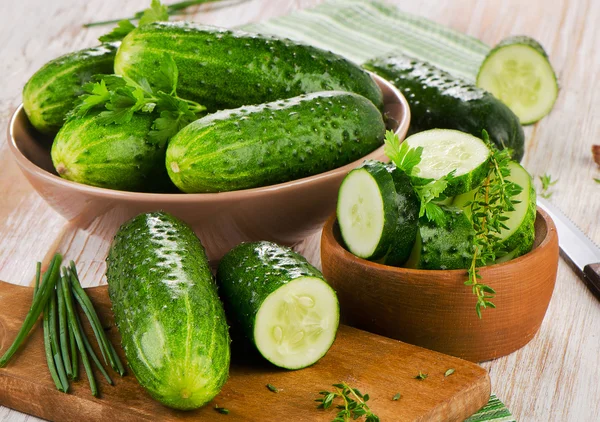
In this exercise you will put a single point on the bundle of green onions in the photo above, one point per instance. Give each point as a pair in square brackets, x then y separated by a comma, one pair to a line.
[64, 338]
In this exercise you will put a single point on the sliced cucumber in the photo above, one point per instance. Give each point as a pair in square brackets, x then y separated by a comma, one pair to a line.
[519, 237]
[367, 210]
[446, 247]
[281, 302]
[445, 150]
[518, 72]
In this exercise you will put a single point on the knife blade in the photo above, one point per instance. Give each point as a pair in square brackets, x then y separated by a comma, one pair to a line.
[583, 253]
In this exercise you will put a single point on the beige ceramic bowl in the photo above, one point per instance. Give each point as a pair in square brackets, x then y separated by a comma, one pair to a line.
[285, 213]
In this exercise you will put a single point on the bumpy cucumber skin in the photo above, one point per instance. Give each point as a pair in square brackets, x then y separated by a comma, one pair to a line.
[252, 271]
[167, 309]
[449, 247]
[406, 227]
[274, 142]
[439, 100]
[53, 90]
[225, 69]
[111, 156]
[531, 43]
[387, 190]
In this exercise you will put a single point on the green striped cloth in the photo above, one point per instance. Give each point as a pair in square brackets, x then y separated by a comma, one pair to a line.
[363, 29]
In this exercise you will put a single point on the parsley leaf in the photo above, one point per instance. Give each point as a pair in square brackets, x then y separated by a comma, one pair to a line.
[166, 78]
[119, 32]
[431, 190]
[98, 95]
[155, 13]
[404, 157]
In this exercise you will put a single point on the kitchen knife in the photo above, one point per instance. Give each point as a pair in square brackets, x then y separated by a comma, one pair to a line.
[576, 246]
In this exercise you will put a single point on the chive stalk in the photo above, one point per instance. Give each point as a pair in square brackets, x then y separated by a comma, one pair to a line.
[63, 332]
[54, 341]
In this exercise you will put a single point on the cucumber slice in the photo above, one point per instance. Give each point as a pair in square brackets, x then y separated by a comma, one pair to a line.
[519, 237]
[518, 72]
[367, 210]
[446, 247]
[445, 150]
[281, 302]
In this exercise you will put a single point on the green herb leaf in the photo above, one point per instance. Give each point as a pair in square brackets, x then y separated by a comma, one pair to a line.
[98, 95]
[596, 180]
[167, 75]
[396, 397]
[404, 157]
[449, 372]
[222, 410]
[119, 32]
[547, 182]
[272, 388]
[155, 13]
[352, 406]
[421, 376]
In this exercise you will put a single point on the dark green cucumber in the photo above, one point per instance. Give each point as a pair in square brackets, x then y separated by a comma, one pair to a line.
[274, 142]
[438, 100]
[111, 156]
[280, 301]
[445, 247]
[224, 69]
[53, 90]
[167, 309]
[406, 227]
[367, 210]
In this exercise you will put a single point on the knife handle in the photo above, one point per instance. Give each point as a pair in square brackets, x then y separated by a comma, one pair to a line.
[592, 275]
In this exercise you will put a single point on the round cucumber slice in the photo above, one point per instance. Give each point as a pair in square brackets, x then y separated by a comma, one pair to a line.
[296, 324]
[367, 210]
[519, 237]
[518, 72]
[445, 150]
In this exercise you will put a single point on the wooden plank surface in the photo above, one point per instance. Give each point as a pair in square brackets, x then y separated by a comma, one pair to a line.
[552, 378]
[375, 365]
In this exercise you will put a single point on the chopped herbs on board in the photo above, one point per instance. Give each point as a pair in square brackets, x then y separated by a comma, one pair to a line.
[352, 406]
[421, 376]
[449, 372]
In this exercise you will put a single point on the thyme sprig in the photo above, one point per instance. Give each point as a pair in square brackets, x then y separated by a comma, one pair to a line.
[492, 201]
[547, 183]
[353, 406]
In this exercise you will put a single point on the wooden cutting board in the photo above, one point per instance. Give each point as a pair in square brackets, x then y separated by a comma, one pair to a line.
[376, 365]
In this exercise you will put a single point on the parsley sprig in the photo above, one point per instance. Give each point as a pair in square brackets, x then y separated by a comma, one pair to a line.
[492, 201]
[120, 98]
[353, 404]
[428, 190]
[155, 13]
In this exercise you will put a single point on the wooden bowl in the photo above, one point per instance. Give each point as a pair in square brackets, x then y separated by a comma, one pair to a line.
[285, 213]
[434, 309]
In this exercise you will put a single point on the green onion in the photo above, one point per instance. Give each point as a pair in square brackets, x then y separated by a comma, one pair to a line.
[64, 331]
[91, 352]
[54, 342]
[39, 302]
[48, 349]
[38, 272]
[74, 355]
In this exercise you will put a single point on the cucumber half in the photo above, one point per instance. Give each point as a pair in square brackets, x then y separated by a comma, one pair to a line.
[281, 302]
[519, 237]
[367, 210]
[445, 150]
[518, 72]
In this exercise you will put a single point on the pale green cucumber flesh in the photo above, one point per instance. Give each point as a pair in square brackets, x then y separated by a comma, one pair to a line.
[367, 211]
[518, 72]
[296, 324]
[446, 150]
[519, 237]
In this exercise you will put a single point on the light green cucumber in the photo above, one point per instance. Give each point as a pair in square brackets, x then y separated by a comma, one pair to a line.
[281, 302]
[53, 90]
[446, 150]
[167, 309]
[274, 142]
[518, 72]
[120, 157]
[519, 237]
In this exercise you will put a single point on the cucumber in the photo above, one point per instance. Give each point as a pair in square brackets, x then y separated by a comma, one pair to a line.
[274, 142]
[445, 150]
[224, 69]
[439, 100]
[408, 216]
[518, 72]
[445, 247]
[111, 156]
[367, 210]
[519, 238]
[165, 302]
[53, 90]
[281, 302]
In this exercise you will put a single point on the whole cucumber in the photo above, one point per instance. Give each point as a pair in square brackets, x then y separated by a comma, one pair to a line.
[114, 156]
[53, 90]
[168, 312]
[274, 142]
[438, 100]
[224, 69]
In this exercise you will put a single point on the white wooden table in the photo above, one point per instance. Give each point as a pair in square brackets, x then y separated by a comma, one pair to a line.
[556, 376]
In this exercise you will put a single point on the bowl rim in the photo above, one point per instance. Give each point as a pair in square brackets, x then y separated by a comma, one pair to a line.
[180, 197]
[329, 227]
